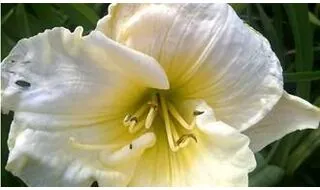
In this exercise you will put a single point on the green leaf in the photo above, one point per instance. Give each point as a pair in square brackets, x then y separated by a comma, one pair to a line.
[6, 45]
[313, 19]
[250, 20]
[80, 15]
[266, 177]
[303, 38]
[36, 25]
[273, 150]
[303, 151]
[271, 33]
[97, 7]
[8, 15]
[260, 162]
[301, 76]
[317, 101]
[281, 156]
[22, 20]
[239, 7]
[48, 16]
[278, 20]
[87, 12]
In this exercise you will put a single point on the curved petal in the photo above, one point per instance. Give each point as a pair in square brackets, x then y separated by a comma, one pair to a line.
[291, 113]
[42, 158]
[58, 72]
[221, 157]
[63, 86]
[207, 52]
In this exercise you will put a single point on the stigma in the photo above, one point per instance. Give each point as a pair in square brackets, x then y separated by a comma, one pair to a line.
[158, 106]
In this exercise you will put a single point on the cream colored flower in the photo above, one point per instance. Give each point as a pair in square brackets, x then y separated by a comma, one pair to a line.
[157, 95]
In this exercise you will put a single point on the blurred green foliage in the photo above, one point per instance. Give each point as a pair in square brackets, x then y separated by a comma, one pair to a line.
[293, 31]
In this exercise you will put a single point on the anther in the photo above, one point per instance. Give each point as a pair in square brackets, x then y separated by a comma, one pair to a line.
[141, 110]
[136, 126]
[183, 138]
[23, 84]
[152, 111]
[153, 104]
[196, 112]
[150, 117]
[132, 122]
[126, 120]
[133, 119]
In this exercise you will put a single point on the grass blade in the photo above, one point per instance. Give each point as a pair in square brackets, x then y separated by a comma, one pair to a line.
[271, 33]
[22, 20]
[80, 15]
[303, 151]
[8, 15]
[303, 38]
[47, 15]
[313, 19]
[266, 177]
[239, 7]
[301, 76]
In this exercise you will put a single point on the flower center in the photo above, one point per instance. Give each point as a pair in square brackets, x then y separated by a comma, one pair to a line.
[158, 105]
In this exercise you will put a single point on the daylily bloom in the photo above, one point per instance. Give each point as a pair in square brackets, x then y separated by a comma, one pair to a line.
[157, 95]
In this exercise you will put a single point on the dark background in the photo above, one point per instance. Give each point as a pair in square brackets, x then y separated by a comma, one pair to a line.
[293, 31]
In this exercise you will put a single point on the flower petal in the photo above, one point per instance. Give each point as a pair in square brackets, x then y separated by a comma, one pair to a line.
[207, 52]
[60, 72]
[221, 157]
[42, 158]
[63, 86]
[136, 65]
[291, 113]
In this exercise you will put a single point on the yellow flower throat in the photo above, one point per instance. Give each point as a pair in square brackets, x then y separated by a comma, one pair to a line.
[158, 105]
[143, 118]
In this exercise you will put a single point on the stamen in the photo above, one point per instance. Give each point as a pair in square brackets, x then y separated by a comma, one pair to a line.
[134, 127]
[141, 110]
[145, 116]
[133, 119]
[184, 143]
[84, 146]
[150, 117]
[152, 111]
[165, 113]
[185, 137]
[193, 123]
[126, 120]
[178, 117]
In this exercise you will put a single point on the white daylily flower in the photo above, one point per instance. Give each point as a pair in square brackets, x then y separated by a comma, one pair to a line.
[158, 95]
